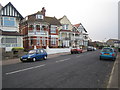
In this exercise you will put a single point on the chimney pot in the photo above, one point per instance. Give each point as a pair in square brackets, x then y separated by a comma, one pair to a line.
[43, 11]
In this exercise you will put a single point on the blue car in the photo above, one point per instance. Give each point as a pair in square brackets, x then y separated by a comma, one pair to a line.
[108, 53]
[34, 55]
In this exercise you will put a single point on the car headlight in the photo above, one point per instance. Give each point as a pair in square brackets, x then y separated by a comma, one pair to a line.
[20, 57]
[29, 56]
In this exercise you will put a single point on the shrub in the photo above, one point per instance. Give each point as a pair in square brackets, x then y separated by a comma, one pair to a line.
[17, 48]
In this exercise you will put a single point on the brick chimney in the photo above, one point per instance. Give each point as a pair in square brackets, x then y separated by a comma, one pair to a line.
[43, 11]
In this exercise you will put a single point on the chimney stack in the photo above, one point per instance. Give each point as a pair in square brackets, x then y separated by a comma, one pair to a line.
[43, 11]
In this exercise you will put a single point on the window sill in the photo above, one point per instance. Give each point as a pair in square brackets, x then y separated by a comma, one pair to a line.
[11, 26]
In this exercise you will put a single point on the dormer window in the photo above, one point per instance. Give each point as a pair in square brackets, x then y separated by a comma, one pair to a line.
[39, 16]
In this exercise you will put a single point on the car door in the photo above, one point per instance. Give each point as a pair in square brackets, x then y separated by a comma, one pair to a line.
[38, 54]
[41, 53]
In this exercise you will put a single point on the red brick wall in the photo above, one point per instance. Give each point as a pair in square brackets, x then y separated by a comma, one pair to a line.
[23, 29]
[26, 44]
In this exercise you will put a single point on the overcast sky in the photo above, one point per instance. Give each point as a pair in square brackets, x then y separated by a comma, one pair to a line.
[99, 17]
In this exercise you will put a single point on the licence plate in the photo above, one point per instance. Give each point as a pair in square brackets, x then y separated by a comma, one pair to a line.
[24, 59]
[106, 54]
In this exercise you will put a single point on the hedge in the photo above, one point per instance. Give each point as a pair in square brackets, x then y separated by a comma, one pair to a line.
[18, 48]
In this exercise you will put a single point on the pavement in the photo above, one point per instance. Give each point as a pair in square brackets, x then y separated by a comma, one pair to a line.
[114, 81]
[17, 60]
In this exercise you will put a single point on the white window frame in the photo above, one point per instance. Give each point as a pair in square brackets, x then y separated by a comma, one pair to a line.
[53, 29]
[5, 40]
[39, 16]
[53, 41]
[65, 26]
[3, 23]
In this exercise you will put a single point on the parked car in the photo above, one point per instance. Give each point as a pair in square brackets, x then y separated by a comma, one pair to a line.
[90, 48]
[94, 49]
[34, 55]
[108, 53]
[76, 50]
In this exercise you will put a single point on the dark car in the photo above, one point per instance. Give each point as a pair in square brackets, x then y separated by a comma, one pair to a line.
[34, 55]
[108, 53]
[76, 50]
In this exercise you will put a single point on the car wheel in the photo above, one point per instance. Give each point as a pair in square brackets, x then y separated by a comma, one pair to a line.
[34, 59]
[45, 57]
[113, 59]
[79, 52]
[71, 52]
[21, 60]
[100, 58]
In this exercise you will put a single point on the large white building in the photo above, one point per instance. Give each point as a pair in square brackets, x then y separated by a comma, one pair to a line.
[72, 35]
[65, 32]
[81, 39]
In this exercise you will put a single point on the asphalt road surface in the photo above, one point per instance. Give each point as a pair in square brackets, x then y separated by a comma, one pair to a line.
[83, 70]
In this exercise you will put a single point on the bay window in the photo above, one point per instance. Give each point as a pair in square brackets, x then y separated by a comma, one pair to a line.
[31, 27]
[37, 27]
[53, 41]
[9, 40]
[53, 29]
[9, 21]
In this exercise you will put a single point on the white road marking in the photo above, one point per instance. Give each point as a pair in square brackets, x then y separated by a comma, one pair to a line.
[62, 60]
[24, 69]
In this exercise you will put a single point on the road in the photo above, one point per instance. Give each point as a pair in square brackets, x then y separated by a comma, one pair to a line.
[83, 70]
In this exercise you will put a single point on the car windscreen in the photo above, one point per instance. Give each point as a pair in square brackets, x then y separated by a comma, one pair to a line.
[90, 47]
[107, 50]
[32, 52]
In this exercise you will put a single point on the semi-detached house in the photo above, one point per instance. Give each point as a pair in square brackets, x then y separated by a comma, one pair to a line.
[72, 35]
[65, 32]
[9, 27]
[81, 38]
[40, 31]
